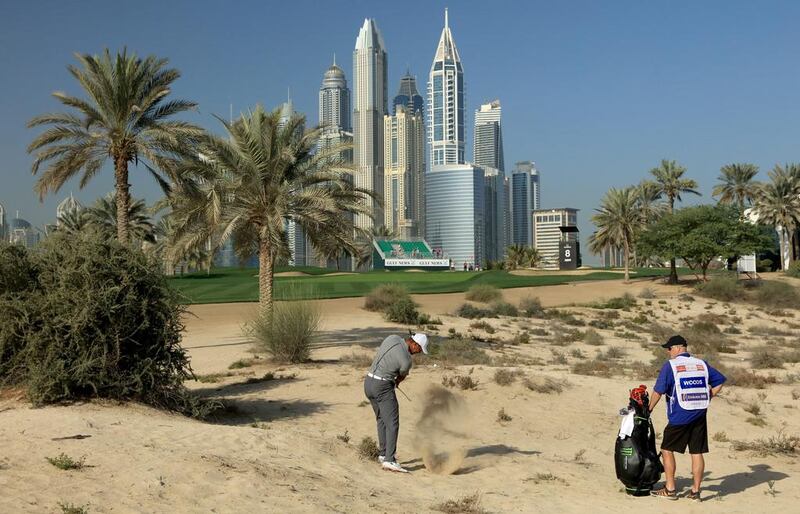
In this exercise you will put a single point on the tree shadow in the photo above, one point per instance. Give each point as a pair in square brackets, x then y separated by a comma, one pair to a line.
[499, 449]
[734, 483]
[247, 387]
[256, 410]
[368, 337]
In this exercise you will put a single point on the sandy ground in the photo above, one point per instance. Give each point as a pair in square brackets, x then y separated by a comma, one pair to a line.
[292, 448]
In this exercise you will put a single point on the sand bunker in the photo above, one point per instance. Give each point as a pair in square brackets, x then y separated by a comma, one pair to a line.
[438, 439]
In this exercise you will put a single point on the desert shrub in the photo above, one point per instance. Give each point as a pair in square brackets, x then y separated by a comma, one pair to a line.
[506, 377]
[502, 416]
[483, 293]
[777, 294]
[404, 311]
[65, 462]
[456, 352]
[602, 324]
[463, 382]
[69, 508]
[521, 338]
[539, 332]
[242, 363]
[794, 269]
[18, 272]
[577, 353]
[532, 307]
[764, 358]
[368, 449]
[565, 317]
[545, 385]
[102, 322]
[559, 358]
[466, 505]
[766, 330]
[592, 337]
[380, 298]
[291, 332]
[482, 325]
[626, 301]
[564, 336]
[501, 308]
[469, 311]
[703, 326]
[594, 367]
[358, 359]
[732, 330]
[720, 437]
[613, 353]
[647, 293]
[743, 378]
[724, 287]
[779, 444]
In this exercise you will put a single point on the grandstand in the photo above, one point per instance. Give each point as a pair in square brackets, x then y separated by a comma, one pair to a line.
[396, 254]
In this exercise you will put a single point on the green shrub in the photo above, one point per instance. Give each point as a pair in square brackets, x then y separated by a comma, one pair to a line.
[404, 311]
[626, 301]
[368, 449]
[17, 272]
[101, 322]
[382, 297]
[65, 462]
[532, 307]
[794, 269]
[469, 311]
[724, 287]
[290, 334]
[502, 308]
[483, 293]
[777, 294]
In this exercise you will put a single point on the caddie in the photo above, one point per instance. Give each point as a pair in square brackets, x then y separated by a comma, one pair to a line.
[689, 384]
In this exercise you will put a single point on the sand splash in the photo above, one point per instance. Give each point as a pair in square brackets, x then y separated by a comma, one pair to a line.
[438, 438]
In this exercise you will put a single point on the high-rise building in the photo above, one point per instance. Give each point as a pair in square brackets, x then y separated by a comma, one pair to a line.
[552, 228]
[370, 66]
[455, 205]
[22, 233]
[334, 100]
[488, 142]
[408, 96]
[496, 214]
[67, 205]
[404, 172]
[446, 97]
[298, 247]
[3, 226]
[524, 200]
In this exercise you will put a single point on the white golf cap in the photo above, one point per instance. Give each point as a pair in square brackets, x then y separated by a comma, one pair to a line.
[422, 340]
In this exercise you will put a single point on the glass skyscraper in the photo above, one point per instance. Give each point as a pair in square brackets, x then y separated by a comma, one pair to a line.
[408, 96]
[488, 146]
[524, 200]
[3, 228]
[446, 103]
[404, 138]
[334, 100]
[370, 66]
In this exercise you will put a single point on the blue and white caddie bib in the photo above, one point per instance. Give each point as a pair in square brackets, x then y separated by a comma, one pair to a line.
[691, 382]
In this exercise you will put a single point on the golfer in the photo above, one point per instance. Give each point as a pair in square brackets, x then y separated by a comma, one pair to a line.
[689, 384]
[390, 367]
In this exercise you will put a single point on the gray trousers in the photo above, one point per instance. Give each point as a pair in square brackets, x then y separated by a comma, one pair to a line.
[380, 394]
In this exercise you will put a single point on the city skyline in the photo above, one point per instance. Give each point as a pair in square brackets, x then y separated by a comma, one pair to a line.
[581, 99]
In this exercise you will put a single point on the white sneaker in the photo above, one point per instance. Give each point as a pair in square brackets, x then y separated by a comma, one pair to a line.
[393, 466]
[381, 458]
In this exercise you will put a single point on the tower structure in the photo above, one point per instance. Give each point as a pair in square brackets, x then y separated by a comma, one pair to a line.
[488, 142]
[334, 100]
[524, 200]
[404, 169]
[446, 99]
[369, 107]
[408, 96]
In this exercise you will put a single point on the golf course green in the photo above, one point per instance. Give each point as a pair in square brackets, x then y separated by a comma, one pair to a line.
[227, 285]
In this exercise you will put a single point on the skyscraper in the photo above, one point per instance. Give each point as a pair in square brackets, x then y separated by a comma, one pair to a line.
[408, 96]
[3, 228]
[524, 200]
[446, 103]
[404, 172]
[67, 205]
[488, 146]
[294, 233]
[334, 100]
[496, 213]
[369, 107]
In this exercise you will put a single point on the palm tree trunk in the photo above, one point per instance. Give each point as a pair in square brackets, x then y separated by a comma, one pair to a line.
[626, 258]
[123, 197]
[673, 272]
[266, 274]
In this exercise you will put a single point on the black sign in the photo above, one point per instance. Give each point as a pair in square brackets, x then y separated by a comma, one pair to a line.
[568, 256]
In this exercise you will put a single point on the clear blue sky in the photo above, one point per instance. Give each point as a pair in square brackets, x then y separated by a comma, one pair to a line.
[596, 93]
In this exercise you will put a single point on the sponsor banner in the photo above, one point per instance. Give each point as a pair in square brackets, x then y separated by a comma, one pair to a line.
[418, 262]
[695, 397]
[693, 383]
[680, 368]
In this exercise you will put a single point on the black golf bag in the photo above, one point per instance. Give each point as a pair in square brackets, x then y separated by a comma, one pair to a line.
[636, 460]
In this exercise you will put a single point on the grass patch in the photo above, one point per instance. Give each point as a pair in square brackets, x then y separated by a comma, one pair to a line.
[594, 368]
[766, 330]
[779, 444]
[358, 359]
[242, 363]
[565, 317]
[465, 505]
[777, 295]
[566, 336]
[626, 301]
[65, 462]
[212, 378]
[724, 287]
[483, 293]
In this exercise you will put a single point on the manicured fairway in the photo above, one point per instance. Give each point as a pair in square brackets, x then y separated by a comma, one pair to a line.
[225, 285]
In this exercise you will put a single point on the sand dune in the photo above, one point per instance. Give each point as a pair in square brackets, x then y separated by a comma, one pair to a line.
[283, 452]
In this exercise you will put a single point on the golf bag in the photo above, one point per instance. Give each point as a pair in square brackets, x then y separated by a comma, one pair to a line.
[636, 460]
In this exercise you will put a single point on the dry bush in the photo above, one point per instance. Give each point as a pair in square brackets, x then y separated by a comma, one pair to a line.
[766, 358]
[469, 311]
[380, 298]
[724, 287]
[647, 293]
[466, 505]
[243, 363]
[501, 308]
[502, 417]
[545, 385]
[565, 317]
[777, 295]
[65, 462]
[565, 336]
[506, 377]
[753, 408]
[766, 330]
[345, 437]
[592, 337]
[483, 293]
[521, 338]
[795, 394]
[743, 378]
[463, 382]
[613, 353]
[626, 301]
[559, 358]
[70, 508]
[594, 367]
[368, 449]
[577, 353]
[482, 325]
[779, 444]
[358, 359]
[720, 437]
[532, 307]
[289, 334]
[455, 352]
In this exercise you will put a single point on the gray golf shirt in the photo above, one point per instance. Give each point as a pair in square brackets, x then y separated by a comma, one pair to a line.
[392, 359]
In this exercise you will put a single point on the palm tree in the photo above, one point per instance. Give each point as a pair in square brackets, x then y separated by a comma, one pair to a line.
[617, 221]
[532, 257]
[248, 186]
[125, 118]
[778, 204]
[650, 208]
[364, 243]
[515, 257]
[103, 215]
[668, 176]
[736, 185]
